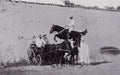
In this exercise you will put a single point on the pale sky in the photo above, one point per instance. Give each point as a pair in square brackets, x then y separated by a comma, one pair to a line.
[100, 3]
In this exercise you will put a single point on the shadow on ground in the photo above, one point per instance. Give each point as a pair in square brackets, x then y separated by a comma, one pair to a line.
[98, 63]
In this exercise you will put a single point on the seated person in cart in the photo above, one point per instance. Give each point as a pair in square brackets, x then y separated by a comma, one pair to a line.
[46, 39]
[40, 43]
[33, 45]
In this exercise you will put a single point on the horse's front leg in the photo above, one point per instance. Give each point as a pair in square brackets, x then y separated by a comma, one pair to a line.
[57, 59]
[55, 38]
[73, 59]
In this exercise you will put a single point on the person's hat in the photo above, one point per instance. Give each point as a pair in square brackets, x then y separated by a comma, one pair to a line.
[39, 35]
[71, 17]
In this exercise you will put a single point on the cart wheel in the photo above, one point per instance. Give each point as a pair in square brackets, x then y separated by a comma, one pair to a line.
[35, 61]
[39, 60]
[31, 56]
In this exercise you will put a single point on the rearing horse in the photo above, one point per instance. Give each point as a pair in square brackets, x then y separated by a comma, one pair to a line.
[64, 33]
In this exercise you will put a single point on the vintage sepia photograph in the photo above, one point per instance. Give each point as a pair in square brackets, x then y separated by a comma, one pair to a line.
[59, 37]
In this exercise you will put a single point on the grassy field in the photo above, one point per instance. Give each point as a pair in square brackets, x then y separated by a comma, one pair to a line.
[20, 21]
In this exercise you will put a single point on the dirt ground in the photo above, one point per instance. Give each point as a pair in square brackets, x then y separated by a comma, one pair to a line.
[97, 68]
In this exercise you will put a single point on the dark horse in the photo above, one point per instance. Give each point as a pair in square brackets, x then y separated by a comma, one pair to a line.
[55, 52]
[61, 49]
[63, 34]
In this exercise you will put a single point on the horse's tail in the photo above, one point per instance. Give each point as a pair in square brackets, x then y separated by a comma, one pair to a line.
[84, 32]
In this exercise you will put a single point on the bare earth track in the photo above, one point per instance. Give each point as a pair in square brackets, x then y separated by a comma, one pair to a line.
[110, 68]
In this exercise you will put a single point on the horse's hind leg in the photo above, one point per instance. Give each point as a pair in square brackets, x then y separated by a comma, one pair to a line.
[73, 60]
[66, 60]
[62, 61]
[56, 60]
[77, 58]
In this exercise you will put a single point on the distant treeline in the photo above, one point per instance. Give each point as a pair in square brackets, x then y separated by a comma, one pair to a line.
[72, 5]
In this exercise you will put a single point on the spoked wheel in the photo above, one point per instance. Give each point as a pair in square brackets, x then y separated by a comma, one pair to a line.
[31, 56]
[39, 60]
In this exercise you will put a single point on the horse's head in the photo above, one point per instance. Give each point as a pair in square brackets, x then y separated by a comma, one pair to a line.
[77, 42]
[52, 29]
[76, 36]
[56, 28]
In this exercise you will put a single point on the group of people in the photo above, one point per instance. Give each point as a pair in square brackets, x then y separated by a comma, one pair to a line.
[40, 41]
[83, 57]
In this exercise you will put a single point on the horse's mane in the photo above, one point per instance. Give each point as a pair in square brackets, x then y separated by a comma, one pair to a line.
[58, 25]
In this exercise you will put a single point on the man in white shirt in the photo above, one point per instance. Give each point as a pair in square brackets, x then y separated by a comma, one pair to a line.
[40, 43]
[71, 25]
